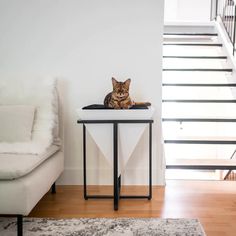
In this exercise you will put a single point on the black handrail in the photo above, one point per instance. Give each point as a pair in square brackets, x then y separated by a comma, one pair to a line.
[226, 10]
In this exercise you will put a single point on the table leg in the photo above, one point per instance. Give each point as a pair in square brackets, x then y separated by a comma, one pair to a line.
[150, 161]
[115, 167]
[119, 184]
[84, 162]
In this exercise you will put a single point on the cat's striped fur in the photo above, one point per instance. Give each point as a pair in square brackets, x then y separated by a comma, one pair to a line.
[119, 98]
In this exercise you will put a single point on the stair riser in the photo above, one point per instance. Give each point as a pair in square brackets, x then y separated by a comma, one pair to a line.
[198, 151]
[191, 51]
[185, 39]
[175, 110]
[181, 130]
[193, 63]
[197, 77]
[172, 92]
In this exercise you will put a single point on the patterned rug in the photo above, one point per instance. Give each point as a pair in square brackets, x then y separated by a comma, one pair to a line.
[103, 226]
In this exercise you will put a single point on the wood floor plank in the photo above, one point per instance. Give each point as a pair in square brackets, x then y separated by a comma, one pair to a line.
[212, 202]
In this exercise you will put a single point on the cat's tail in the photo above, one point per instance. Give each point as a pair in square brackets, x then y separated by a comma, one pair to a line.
[142, 103]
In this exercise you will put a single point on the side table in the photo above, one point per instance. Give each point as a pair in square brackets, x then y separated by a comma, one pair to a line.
[116, 179]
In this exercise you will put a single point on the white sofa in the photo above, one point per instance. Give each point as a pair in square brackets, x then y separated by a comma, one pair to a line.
[28, 168]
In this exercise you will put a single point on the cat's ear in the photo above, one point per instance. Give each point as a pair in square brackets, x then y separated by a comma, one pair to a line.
[114, 81]
[127, 83]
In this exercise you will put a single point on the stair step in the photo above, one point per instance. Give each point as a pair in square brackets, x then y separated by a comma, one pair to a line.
[185, 39]
[199, 85]
[194, 44]
[195, 77]
[185, 110]
[198, 69]
[199, 130]
[198, 120]
[197, 151]
[185, 174]
[196, 141]
[199, 101]
[197, 57]
[191, 50]
[192, 34]
[202, 164]
[180, 63]
[198, 93]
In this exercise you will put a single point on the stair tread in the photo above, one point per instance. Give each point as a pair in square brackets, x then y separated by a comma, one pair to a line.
[187, 49]
[200, 100]
[198, 69]
[201, 84]
[199, 94]
[200, 141]
[202, 163]
[197, 57]
[211, 110]
[192, 34]
[182, 63]
[202, 119]
[194, 44]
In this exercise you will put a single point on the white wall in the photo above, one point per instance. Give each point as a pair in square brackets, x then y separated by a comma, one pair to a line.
[85, 43]
[187, 10]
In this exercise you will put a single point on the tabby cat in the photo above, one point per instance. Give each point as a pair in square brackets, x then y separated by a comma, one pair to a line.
[119, 98]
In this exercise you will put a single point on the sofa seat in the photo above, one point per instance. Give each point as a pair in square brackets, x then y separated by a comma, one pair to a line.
[19, 196]
[14, 166]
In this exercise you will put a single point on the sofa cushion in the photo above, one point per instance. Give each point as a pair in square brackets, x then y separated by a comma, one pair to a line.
[38, 92]
[16, 123]
[13, 166]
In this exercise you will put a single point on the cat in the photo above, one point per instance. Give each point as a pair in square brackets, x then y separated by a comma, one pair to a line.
[119, 98]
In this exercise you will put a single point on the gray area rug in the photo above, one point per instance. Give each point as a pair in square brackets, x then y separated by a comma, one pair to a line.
[103, 226]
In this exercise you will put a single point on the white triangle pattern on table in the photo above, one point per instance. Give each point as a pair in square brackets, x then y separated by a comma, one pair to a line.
[102, 135]
[128, 137]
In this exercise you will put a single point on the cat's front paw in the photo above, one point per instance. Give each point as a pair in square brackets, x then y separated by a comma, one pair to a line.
[126, 106]
[116, 107]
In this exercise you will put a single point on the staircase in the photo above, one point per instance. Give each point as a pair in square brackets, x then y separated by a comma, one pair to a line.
[198, 106]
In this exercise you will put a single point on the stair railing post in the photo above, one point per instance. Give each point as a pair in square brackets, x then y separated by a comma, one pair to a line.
[234, 25]
[216, 9]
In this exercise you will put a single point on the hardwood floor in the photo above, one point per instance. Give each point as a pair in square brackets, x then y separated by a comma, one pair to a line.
[212, 202]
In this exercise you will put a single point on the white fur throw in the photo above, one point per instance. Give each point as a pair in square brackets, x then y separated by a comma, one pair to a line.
[37, 92]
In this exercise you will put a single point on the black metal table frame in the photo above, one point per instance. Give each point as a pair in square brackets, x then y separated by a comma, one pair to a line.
[116, 179]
